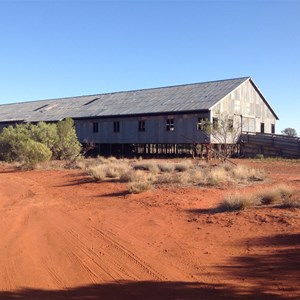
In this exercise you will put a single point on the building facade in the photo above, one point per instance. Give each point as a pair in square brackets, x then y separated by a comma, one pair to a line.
[158, 120]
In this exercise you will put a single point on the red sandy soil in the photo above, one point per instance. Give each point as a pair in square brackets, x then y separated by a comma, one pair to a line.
[64, 236]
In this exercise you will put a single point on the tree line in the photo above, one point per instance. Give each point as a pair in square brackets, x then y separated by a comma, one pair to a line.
[30, 144]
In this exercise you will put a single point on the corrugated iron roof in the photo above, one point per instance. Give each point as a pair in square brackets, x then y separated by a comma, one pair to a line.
[189, 97]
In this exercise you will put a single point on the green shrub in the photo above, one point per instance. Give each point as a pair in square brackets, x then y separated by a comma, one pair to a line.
[68, 146]
[32, 152]
[60, 139]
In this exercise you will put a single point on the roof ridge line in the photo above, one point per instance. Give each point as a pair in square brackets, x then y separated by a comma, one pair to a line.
[128, 91]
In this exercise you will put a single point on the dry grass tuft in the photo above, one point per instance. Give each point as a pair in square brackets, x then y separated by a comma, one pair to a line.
[240, 172]
[256, 175]
[166, 167]
[236, 202]
[292, 202]
[97, 172]
[276, 196]
[150, 166]
[108, 169]
[169, 178]
[216, 176]
[140, 182]
[183, 166]
[197, 177]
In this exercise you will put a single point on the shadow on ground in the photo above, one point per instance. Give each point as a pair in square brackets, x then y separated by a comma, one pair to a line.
[144, 290]
[274, 266]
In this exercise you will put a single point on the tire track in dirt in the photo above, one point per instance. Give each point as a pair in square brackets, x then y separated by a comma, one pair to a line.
[44, 245]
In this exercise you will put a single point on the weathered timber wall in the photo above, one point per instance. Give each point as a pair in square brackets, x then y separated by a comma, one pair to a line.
[270, 145]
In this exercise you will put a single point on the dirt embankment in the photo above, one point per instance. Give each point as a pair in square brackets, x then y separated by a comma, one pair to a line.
[64, 236]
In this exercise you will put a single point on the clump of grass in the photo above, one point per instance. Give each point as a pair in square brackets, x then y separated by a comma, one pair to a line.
[240, 172]
[183, 166]
[197, 177]
[216, 176]
[150, 166]
[182, 178]
[276, 196]
[270, 197]
[140, 182]
[256, 175]
[166, 167]
[128, 176]
[236, 202]
[97, 172]
[227, 166]
[291, 202]
[108, 170]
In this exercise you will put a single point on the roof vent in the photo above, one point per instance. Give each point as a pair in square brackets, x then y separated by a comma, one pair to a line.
[91, 101]
[41, 107]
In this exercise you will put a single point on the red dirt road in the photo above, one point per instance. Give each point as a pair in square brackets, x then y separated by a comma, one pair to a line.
[64, 236]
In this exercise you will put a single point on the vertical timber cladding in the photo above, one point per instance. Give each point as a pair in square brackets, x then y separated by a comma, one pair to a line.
[246, 106]
[161, 129]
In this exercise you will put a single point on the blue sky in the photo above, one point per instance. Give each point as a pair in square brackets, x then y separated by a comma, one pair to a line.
[53, 49]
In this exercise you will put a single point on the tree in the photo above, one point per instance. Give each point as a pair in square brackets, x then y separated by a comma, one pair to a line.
[68, 146]
[17, 144]
[289, 131]
[224, 132]
[31, 144]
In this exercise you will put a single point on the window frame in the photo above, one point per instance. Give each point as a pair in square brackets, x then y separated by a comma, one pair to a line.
[273, 128]
[142, 126]
[95, 127]
[116, 126]
[215, 123]
[170, 124]
[202, 124]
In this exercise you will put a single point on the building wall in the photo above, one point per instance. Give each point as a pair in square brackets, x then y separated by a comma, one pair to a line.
[185, 130]
[246, 104]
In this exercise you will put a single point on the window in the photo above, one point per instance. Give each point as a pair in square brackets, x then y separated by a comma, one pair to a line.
[142, 126]
[116, 126]
[170, 125]
[95, 127]
[202, 124]
[230, 124]
[215, 123]
[262, 127]
[272, 128]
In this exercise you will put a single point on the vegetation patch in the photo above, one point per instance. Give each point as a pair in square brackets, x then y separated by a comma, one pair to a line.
[236, 202]
[31, 144]
[282, 196]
